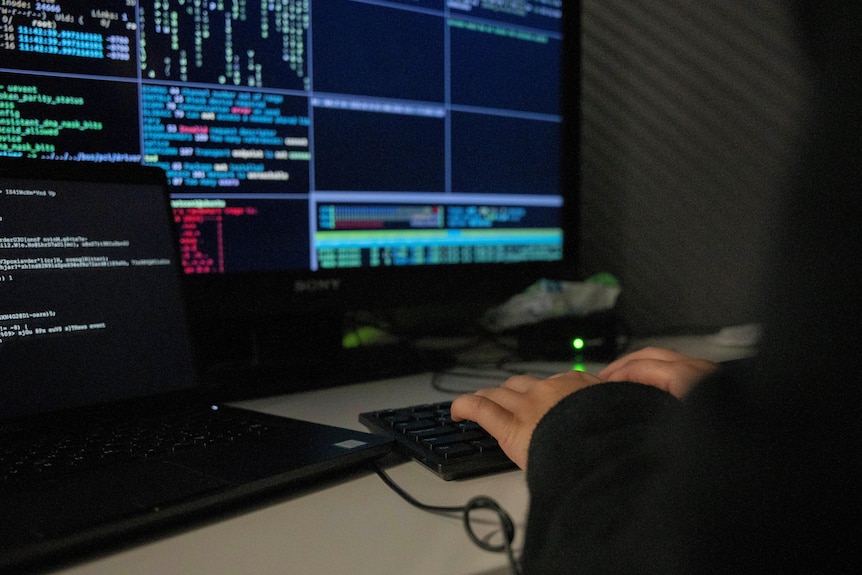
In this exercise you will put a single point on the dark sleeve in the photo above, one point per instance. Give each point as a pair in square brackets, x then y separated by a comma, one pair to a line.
[588, 462]
[737, 478]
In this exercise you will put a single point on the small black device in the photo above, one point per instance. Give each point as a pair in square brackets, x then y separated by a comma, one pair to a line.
[594, 337]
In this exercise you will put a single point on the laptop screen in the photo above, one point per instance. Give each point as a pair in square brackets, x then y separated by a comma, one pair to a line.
[90, 303]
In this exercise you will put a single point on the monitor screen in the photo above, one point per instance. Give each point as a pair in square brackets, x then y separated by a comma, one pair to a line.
[349, 151]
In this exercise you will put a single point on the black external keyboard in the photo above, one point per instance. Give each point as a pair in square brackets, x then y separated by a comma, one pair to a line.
[427, 433]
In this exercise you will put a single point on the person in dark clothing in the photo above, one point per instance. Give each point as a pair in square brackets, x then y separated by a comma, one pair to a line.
[668, 464]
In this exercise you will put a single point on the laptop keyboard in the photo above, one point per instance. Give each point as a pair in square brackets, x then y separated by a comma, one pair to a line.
[428, 434]
[30, 456]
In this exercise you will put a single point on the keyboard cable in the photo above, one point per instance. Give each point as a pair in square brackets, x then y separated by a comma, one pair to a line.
[480, 502]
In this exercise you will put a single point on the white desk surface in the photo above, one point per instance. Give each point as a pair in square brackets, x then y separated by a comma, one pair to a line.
[356, 525]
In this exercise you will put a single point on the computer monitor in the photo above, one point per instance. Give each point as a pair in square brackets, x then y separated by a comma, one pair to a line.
[324, 157]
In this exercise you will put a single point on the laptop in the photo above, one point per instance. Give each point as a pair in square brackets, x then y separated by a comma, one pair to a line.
[94, 348]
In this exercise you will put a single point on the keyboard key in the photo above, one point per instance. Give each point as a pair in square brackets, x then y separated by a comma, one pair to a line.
[454, 450]
[411, 426]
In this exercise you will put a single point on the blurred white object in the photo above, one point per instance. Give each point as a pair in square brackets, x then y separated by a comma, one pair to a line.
[746, 335]
[548, 299]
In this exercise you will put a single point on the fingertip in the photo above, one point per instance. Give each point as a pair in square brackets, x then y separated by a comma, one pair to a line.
[613, 367]
[609, 372]
[464, 406]
[455, 408]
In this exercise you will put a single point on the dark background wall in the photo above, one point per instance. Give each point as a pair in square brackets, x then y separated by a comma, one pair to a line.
[691, 118]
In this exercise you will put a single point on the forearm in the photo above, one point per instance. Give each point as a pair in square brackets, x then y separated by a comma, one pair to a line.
[589, 461]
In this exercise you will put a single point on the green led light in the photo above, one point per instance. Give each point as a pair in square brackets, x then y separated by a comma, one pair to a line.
[579, 367]
[578, 343]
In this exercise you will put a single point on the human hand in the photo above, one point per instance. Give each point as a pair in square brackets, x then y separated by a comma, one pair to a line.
[511, 412]
[662, 368]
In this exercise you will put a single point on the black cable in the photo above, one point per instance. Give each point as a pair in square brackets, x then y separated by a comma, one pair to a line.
[477, 503]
